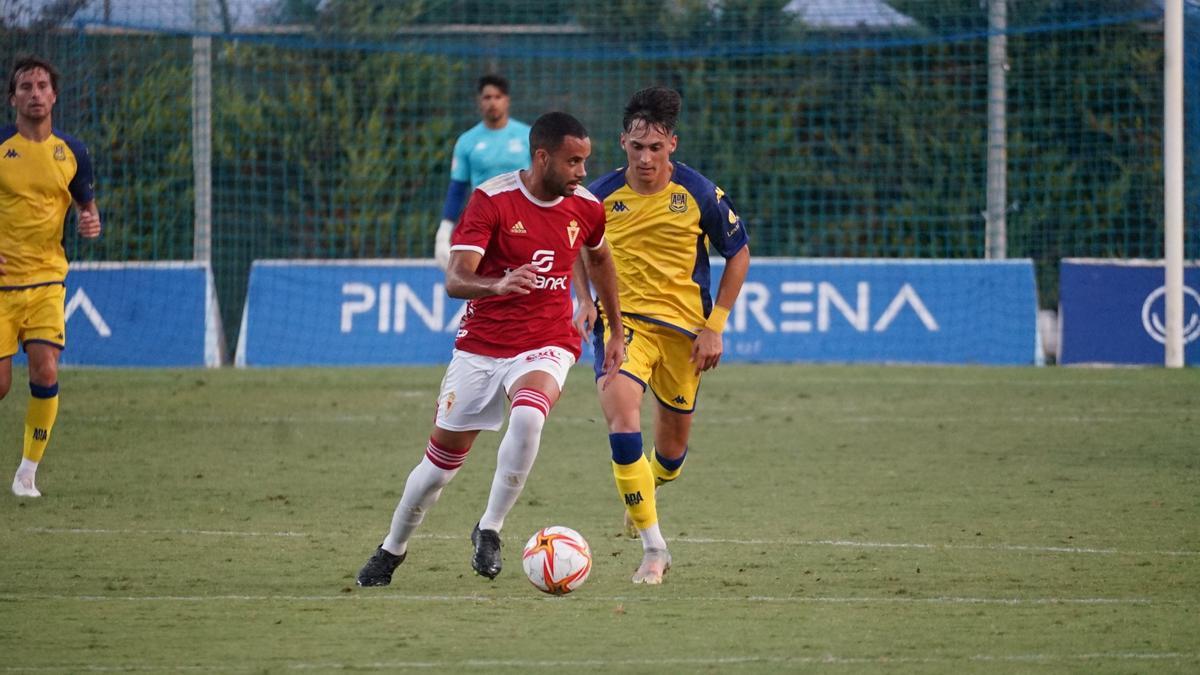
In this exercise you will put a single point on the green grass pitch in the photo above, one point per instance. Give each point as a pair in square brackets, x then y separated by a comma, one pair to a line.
[829, 519]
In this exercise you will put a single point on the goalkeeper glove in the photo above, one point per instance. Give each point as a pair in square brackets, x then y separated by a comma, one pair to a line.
[441, 243]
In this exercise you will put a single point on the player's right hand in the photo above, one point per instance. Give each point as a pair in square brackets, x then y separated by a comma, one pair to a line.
[521, 281]
[441, 243]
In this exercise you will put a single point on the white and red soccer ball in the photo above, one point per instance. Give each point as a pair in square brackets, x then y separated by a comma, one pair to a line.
[557, 560]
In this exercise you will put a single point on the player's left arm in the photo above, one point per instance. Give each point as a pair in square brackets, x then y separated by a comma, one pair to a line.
[708, 345]
[728, 236]
[88, 220]
[82, 193]
[585, 307]
[603, 275]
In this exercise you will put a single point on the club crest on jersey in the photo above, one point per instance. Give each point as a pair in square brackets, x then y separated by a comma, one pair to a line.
[518, 228]
[572, 233]
[678, 202]
[60, 153]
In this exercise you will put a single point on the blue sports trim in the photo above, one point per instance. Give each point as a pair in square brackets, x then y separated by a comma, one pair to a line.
[43, 392]
[664, 324]
[607, 184]
[37, 285]
[671, 464]
[598, 345]
[598, 354]
[455, 194]
[81, 185]
[7, 132]
[626, 447]
[57, 345]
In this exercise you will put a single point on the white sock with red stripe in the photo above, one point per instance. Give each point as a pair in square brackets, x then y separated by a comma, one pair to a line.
[421, 492]
[514, 459]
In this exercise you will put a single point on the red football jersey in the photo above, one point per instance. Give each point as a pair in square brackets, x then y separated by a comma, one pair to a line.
[510, 228]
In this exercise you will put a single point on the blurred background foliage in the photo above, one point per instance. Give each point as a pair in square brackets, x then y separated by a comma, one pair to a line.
[840, 129]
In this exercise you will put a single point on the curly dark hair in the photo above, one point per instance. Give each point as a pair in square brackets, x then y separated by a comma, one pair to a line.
[657, 107]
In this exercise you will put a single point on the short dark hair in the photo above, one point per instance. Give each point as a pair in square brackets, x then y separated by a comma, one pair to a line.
[498, 81]
[27, 63]
[549, 130]
[656, 106]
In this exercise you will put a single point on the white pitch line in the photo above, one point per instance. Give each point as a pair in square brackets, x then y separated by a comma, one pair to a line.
[384, 596]
[701, 541]
[211, 533]
[699, 662]
[931, 547]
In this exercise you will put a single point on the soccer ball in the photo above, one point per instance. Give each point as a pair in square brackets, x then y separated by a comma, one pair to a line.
[557, 560]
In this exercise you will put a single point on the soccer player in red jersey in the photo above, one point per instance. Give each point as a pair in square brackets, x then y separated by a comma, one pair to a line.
[511, 257]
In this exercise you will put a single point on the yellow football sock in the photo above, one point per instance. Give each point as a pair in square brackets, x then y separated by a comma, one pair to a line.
[663, 474]
[635, 483]
[39, 420]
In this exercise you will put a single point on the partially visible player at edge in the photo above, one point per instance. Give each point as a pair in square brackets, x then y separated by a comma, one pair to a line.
[659, 215]
[498, 144]
[512, 257]
[42, 171]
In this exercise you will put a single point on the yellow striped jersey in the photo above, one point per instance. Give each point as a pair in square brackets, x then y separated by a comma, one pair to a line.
[38, 181]
[660, 244]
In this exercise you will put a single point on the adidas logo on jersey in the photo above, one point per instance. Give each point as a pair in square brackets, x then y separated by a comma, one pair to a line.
[619, 207]
[519, 228]
[12, 154]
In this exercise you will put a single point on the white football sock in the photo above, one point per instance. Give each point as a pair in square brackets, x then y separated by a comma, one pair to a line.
[652, 538]
[28, 467]
[514, 460]
[421, 492]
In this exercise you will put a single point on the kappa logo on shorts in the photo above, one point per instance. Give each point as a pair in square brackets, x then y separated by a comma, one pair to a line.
[679, 400]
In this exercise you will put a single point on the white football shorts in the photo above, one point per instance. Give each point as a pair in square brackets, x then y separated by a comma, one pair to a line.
[475, 388]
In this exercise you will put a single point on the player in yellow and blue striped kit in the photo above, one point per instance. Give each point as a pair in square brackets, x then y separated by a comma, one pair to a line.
[661, 218]
[42, 171]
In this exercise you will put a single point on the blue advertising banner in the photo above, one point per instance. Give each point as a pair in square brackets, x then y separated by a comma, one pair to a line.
[906, 311]
[895, 311]
[1114, 311]
[347, 312]
[141, 314]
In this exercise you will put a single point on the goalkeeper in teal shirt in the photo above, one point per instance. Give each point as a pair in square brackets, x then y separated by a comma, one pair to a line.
[498, 144]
